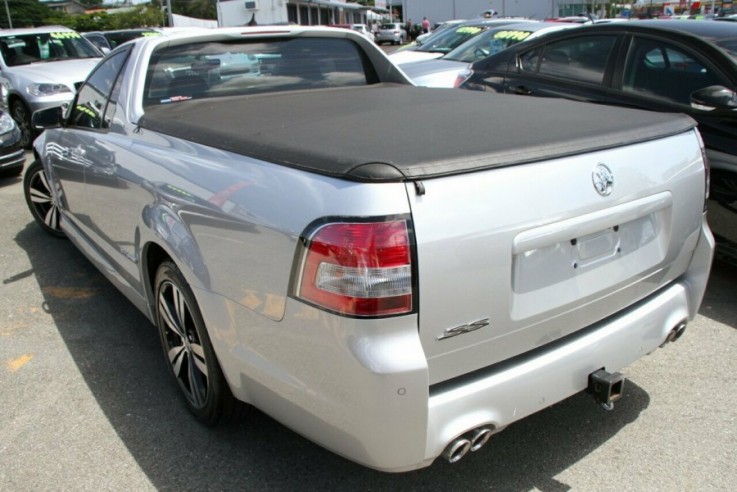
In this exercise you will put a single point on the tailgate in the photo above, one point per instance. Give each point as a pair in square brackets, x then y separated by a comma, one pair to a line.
[513, 258]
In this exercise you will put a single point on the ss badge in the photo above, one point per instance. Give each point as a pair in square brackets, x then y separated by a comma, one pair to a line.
[460, 330]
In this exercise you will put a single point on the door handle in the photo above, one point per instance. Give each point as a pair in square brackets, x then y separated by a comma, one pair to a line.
[522, 90]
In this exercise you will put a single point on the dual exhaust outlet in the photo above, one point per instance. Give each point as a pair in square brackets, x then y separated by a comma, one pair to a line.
[605, 387]
[470, 441]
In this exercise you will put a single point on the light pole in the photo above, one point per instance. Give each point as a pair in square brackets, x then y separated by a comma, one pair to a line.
[168, 13]
[7, 11]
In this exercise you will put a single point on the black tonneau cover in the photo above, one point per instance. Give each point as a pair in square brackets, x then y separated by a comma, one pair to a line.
[395, 133]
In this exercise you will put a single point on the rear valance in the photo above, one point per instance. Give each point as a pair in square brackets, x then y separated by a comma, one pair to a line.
[395, 133]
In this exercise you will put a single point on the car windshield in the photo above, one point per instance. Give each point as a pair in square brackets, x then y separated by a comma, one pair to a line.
[389, 27]
[486, 44]
[25, 49]
[450, 39]
[214, 69]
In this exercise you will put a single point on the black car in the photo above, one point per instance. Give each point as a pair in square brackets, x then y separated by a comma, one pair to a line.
[661, 65]
[12, 155]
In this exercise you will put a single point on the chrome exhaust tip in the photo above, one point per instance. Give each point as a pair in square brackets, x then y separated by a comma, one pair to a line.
[479, 437]
[675, 333]
[456, 450]
[679, 330]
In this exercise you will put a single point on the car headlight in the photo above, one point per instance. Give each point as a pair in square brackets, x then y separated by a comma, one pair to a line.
[47, 89]
[6, 124]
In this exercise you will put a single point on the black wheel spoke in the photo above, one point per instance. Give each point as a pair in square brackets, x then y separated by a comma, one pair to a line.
[197, 386]
[198, 356]
[171, 322]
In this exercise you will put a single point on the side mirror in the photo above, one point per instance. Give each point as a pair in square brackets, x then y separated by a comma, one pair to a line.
[715, 97]
[48, 118]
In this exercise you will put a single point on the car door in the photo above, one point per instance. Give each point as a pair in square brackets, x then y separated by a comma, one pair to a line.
[575, 67]
[69, 151]
[87, 147]
[661, 75]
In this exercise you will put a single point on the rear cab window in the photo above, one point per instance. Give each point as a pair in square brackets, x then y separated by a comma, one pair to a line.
[216, 69]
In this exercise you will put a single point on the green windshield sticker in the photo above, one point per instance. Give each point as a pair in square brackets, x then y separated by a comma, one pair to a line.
[515, 35]
[65, 35]
[151, 34]
[468, 30]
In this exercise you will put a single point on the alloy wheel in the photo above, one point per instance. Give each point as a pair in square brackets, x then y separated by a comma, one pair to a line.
[40, 199]
[183, 345]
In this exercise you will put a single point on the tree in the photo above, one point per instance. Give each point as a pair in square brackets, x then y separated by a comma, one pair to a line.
[199, 9]
[26, 13]
[142, 16]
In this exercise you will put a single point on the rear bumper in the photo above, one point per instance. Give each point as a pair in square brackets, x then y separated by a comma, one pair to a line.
[524, 386]
[361, 387]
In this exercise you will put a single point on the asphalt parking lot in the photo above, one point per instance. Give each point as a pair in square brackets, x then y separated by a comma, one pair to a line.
[87, 404]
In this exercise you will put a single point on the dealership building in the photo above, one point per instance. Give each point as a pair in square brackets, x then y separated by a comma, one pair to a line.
[326, 12]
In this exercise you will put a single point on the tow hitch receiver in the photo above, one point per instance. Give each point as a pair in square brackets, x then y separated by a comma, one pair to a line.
[606, 387]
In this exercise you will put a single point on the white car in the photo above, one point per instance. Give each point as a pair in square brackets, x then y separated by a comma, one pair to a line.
[363, 29]
[41, 68]
[391, 32]
[448, 40]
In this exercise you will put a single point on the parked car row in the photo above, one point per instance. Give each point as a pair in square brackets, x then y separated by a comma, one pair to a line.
[445, 41]
[659, 65]
[444, 71]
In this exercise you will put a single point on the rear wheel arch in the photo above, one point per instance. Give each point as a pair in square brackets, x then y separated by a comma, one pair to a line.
[153, 256]
[206, 391]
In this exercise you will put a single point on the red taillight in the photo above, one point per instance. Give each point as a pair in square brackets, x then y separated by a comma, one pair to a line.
[359, 269]
[462, 77]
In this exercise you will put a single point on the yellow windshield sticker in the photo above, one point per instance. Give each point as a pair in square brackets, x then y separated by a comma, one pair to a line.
[514, 35]
[151, 34]
[86, 110]
[65, 35]
[468, 30]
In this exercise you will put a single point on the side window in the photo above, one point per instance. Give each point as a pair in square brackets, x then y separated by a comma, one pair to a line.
[658, 69]
[92, 100]
[582, 59]
[528, 61]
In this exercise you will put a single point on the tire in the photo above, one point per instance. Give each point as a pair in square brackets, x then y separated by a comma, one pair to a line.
[41, 201]
[22, 117]
[188, 351]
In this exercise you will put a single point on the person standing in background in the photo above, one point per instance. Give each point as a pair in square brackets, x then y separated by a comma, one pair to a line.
[425, 25]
